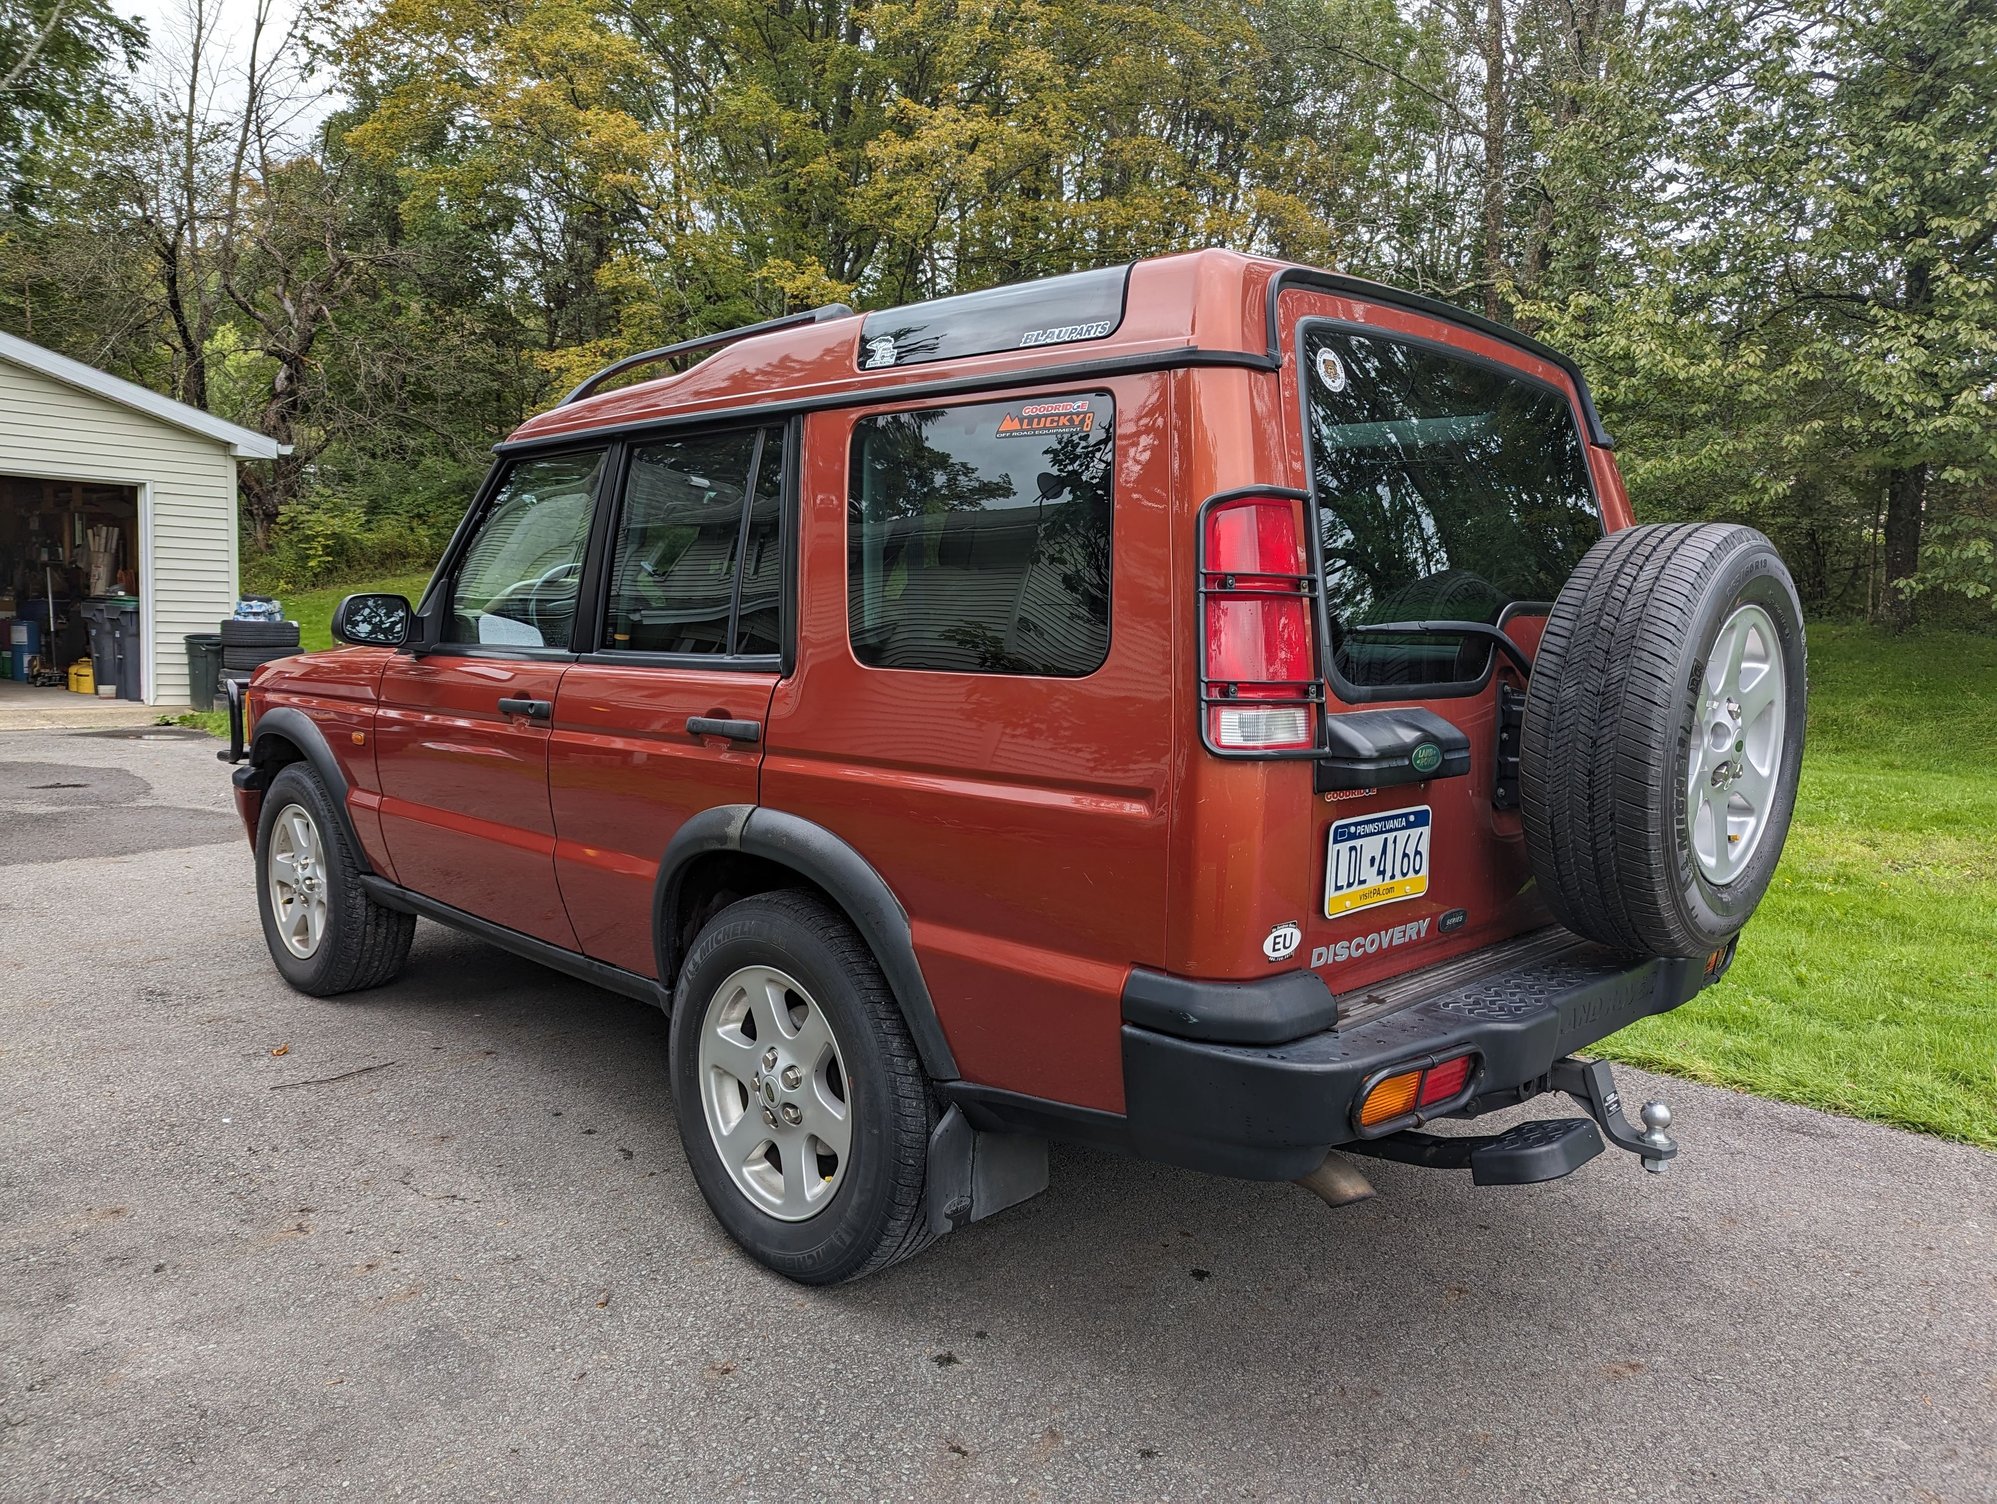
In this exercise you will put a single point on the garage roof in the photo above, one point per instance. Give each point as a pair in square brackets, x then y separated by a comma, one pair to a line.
[244, 443]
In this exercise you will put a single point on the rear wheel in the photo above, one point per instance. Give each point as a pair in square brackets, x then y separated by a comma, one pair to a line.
[802, 1105]
[324, 933]
[1664, 736]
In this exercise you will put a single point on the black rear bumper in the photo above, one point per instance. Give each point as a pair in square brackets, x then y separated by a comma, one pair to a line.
[1271, 1111]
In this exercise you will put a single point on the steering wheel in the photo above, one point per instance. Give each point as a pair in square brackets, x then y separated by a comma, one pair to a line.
[540, 602]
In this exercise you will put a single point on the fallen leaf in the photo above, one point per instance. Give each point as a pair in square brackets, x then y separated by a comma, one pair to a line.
[283, 1049]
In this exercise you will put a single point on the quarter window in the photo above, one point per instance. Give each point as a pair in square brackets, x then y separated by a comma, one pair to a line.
[683, 576]
[978, 538]
[516, 584]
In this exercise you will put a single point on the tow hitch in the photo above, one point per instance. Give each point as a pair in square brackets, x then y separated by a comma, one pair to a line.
[1528, 1153]
[1589, 1083]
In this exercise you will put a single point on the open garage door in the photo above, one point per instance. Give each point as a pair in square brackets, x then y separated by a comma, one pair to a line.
[69, 582]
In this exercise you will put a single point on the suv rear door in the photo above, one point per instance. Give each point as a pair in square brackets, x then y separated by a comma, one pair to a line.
[1452, 479]
[662, 715]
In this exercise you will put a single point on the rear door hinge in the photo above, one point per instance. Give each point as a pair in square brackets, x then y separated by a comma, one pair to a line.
[1511, 734]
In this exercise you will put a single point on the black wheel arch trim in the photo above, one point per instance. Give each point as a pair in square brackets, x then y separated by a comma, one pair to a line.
[814, 853]
[290, 724]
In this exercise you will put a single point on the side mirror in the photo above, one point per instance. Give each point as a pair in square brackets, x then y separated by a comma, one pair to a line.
[373, 621]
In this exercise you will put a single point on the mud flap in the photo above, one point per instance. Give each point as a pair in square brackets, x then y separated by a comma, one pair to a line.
[974, 1174]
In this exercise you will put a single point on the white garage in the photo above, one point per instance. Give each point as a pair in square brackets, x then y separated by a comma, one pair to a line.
[109, 492]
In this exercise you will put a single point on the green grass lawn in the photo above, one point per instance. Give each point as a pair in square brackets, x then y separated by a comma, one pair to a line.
[1866, 983]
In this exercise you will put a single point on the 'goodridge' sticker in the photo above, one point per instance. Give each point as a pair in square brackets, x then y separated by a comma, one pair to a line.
[1037, 419]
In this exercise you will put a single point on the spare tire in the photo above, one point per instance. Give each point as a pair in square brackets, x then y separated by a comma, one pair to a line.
[1663, 736]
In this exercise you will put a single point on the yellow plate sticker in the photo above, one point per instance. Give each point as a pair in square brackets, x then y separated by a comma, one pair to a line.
[1376, 859]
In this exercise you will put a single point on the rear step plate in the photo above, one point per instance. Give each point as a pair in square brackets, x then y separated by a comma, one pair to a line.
[1508, 958]
[1532, 1152]
[1524, 1154]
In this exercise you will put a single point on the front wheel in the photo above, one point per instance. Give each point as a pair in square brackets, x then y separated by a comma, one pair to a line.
[802, 1105]
[324, 932]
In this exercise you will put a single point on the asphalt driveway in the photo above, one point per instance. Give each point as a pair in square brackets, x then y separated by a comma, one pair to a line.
[439, 1241]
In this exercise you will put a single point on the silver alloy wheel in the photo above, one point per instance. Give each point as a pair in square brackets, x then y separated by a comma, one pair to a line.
[297, 877]
[1739, 712]
[774, 1088]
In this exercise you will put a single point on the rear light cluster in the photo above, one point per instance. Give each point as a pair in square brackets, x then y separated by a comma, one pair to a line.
[1401, 1093]
[1259, 685]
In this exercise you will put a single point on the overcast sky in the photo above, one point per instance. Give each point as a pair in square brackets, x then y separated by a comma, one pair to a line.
[168, 23]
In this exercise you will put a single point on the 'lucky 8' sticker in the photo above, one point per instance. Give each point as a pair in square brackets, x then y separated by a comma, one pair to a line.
[1331, 370]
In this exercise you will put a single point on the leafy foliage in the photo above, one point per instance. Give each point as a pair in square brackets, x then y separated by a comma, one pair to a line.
[1768, 231]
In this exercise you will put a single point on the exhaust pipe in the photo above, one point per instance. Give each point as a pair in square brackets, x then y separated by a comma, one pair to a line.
[1337, 1182]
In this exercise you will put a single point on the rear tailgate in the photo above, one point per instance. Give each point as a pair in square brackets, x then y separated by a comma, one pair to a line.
[1451, 480]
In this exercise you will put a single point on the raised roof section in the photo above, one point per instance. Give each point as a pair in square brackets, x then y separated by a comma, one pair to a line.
[1211, 307]
[1210, 300]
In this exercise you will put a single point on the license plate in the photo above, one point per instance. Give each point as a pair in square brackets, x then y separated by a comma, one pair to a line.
[1376, 859]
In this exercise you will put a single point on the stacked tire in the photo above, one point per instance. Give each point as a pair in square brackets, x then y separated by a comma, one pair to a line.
[248, 644]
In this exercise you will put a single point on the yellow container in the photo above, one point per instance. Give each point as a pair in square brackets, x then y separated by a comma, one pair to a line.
[81, 680]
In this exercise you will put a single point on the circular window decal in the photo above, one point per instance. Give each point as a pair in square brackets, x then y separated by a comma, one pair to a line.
[1331, 370]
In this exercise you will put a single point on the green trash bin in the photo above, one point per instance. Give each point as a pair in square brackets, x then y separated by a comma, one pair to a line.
[204, 668]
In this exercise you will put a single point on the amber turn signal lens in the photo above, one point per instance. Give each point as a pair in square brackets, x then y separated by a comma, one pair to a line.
[1391, 1098]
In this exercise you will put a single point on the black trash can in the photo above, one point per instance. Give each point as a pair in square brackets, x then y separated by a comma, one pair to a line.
[204, 668]
[124, 612]
[97, 621]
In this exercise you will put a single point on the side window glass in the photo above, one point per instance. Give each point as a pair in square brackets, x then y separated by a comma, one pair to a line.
[516, 584]
[679, 554]
[978, 538]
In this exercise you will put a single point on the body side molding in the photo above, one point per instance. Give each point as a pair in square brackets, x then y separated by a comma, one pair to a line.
[812, 852]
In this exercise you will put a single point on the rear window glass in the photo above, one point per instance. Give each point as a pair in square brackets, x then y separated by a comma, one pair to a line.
[978, 537]
[1446, 490]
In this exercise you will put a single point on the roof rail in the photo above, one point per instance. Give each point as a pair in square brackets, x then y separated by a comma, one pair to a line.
[707, 342]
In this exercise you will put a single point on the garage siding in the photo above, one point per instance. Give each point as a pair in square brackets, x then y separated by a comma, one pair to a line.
[48, 428]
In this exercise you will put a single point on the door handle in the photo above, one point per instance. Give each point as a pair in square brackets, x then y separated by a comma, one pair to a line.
[534, 710]
[735, 731]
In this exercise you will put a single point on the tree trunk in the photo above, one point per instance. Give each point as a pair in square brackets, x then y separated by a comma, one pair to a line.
[1495, 113]
[1906, 491]
[1906, 485]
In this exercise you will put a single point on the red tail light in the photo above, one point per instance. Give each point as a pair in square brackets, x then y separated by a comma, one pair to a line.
[1259, 683]
[1445, 1080]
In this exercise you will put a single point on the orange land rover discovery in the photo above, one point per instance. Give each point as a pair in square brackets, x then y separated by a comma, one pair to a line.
[1208, 707]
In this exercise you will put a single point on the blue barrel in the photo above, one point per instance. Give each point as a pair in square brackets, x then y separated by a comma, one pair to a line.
[27, 643]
